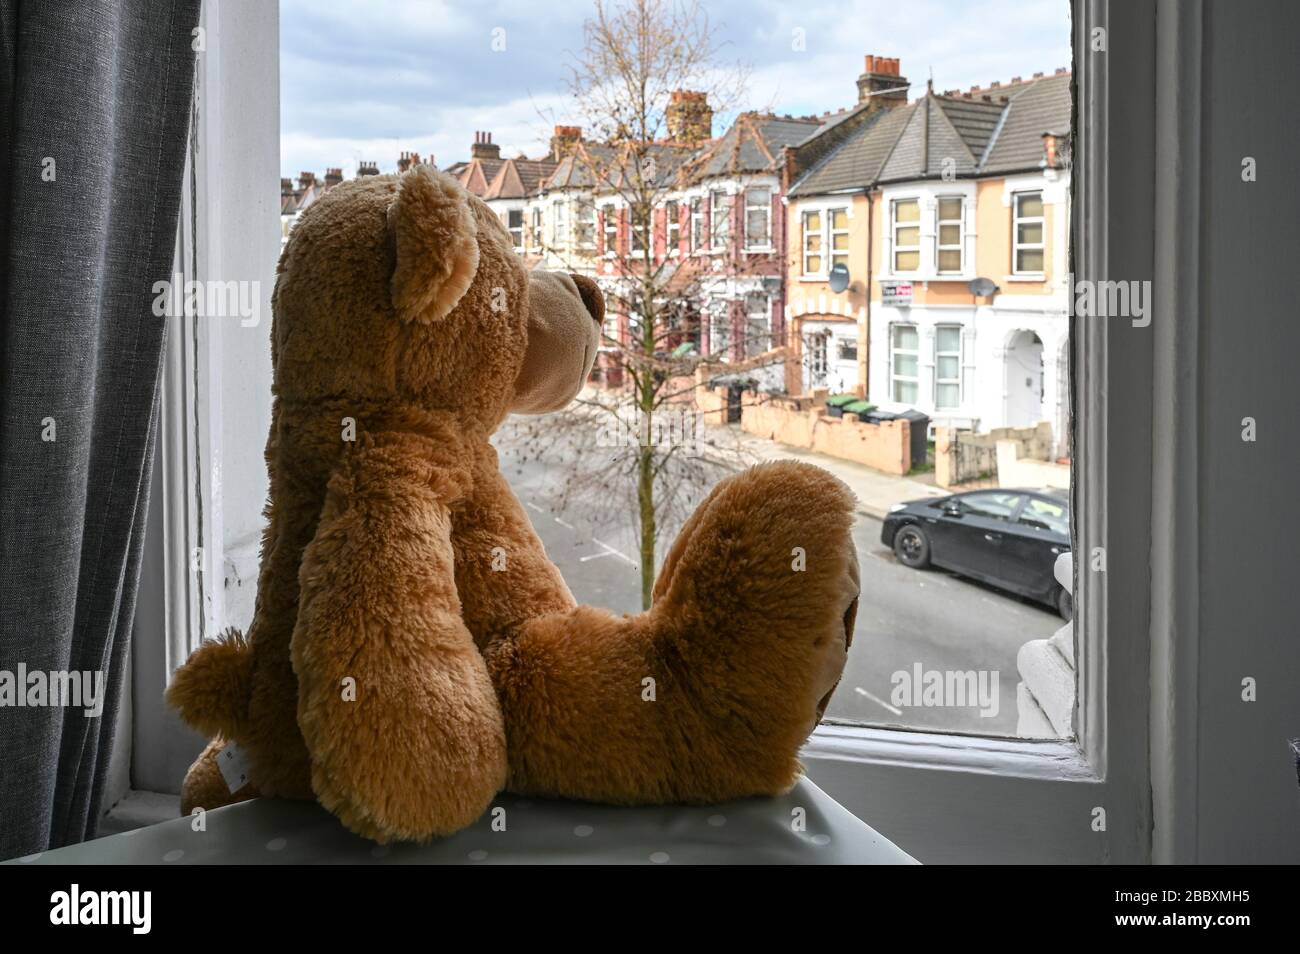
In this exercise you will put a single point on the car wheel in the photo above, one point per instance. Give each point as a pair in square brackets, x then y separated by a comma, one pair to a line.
[912, 547]
[1064, 603]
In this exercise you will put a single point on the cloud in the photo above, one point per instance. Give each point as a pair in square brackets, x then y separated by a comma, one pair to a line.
[366, 79]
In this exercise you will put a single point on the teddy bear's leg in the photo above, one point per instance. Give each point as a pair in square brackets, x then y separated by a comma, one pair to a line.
[395, 704]
[709, 695]
[205, 787]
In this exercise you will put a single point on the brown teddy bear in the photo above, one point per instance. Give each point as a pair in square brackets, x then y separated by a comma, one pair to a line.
[413, 651]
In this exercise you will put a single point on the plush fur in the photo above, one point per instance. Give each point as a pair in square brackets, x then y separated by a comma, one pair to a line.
[413, 651]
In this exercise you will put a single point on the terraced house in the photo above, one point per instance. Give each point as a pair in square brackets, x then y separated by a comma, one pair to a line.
[944, 223]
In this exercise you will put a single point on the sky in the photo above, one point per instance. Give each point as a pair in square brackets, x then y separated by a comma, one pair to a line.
[368, 79]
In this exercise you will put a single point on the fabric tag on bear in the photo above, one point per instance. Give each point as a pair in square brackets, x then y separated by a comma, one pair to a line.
[233, 763]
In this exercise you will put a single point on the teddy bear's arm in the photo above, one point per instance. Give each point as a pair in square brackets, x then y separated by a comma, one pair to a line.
[502, 572]
[394, 701]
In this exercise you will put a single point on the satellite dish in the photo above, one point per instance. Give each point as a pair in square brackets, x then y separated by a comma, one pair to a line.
[981, 287]
[839, 278]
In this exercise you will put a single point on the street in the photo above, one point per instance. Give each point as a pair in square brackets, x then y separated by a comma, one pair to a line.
[906, 618]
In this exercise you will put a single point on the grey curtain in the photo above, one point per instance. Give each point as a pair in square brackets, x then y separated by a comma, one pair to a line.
[94, 113]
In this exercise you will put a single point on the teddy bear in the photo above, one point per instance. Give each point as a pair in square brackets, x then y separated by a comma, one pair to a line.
[413, 651]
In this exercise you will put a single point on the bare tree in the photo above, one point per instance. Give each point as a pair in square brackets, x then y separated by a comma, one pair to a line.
[644, 70]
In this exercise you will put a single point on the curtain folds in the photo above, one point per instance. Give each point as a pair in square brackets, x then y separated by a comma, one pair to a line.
[94, 114]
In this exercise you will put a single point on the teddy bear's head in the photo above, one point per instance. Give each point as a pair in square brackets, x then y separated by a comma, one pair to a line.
[406, 289]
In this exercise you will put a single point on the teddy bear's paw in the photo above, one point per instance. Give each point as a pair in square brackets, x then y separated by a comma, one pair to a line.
[756, 603]
[205, 787]
[405, 753]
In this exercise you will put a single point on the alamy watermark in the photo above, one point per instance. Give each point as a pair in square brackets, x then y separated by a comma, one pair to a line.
[1109, 299]
[178, 298]
[667, 427]
[65, 688]
[946, 689]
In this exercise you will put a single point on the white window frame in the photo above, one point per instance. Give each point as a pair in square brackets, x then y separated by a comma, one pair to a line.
[672, 227]
[757, 314]
[560, 223]
[941, 797]
[585, 221]
[1016, 221]
[516, 233]
[536, 227]
[805, 233]
[959, 355]
[720, 238]
[895, 225]
[765, 208]
[831, 254]
[939, 223]
[609, 222]
[720, 318]
[697, 235]
[894, 377]
[986, 800]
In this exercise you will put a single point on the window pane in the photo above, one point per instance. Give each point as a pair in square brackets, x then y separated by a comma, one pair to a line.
[949, 234]
[905, 392]
[756, 227]
[946, 367]
[905, 338]
[950, 208]
[908, 237]
[947, 338]
[839, 219]
[907, 210]
[813, 263]
[812, 221]
[950, 261]
[907, 261]
[1029, 204]
[905, 365]
[997, 505]
[840, 241]
[814, 242]
[1029, 233]
[1029, 260]
[946, 396]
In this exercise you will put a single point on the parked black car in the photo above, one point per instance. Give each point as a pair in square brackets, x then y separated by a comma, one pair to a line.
[1009, 538]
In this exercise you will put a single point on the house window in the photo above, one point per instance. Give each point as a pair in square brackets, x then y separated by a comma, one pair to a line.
[817, 358]
[758, 324]
[638, 227]
[812, 243]
[559, 222]
[610, 217]
[515, 226]
[906, 219]
[948, 257]
[672, 228]
[904, 353]
[846, 349]
[837, 222]
[719, 220]
[720, 331]
[1027, 233]
[947, 367]
[758, 219]
[697, 224]
[586, 223]
[537, 229]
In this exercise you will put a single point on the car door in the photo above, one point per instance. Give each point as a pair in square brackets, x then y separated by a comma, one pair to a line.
[972, 532]
[1031, 544]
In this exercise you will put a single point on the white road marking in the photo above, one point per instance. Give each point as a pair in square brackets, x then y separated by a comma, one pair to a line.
[608, 551]
[564, 523]
[532, 506]
[877, 700]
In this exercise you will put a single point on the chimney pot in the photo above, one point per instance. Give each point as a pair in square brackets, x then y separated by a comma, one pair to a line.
[870, 64]
[1038, 75]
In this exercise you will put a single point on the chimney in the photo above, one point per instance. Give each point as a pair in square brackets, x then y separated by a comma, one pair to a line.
[881, 83]
[564, 139]
[306, 180]
[484, 147]
[286, 187]
[408, 161]
[333, 177]
[689, 117]
[365, 168]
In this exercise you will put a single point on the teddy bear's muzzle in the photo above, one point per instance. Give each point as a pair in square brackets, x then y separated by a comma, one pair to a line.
[565, 315]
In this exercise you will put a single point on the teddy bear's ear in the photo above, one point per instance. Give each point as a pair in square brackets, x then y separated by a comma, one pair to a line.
[435, 237]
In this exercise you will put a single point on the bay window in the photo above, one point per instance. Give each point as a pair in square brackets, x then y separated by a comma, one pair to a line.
[758, 219]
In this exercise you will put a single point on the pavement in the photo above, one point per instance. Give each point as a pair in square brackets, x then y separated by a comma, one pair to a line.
[876, 491]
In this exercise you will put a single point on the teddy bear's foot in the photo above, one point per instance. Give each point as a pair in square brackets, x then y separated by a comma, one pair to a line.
[205, 787]
[710, 694]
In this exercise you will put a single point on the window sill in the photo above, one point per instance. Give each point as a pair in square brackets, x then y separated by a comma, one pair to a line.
[1026, 277]
[1056, 760]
